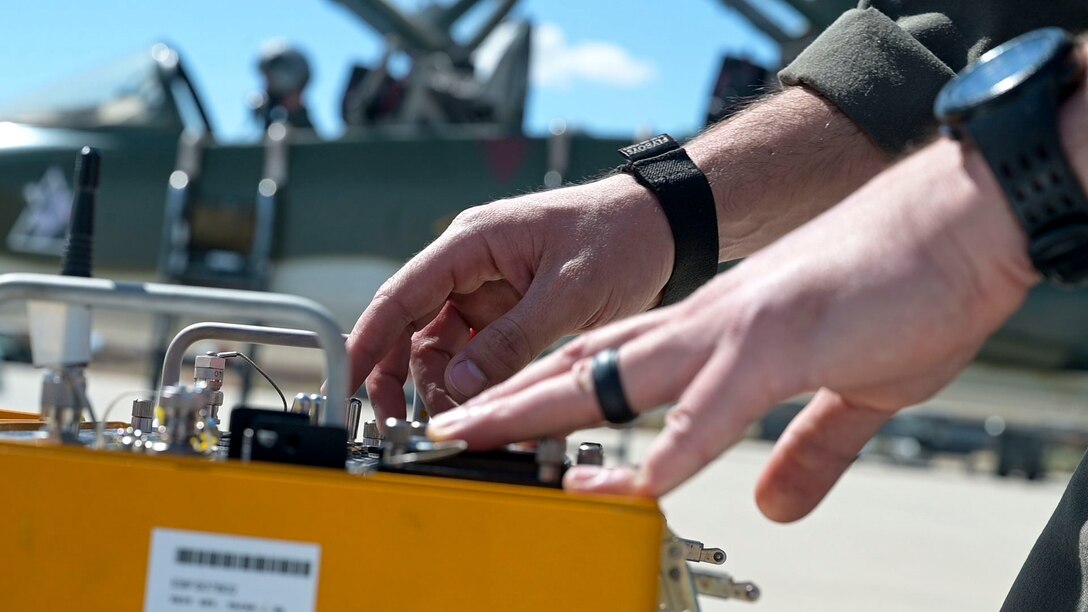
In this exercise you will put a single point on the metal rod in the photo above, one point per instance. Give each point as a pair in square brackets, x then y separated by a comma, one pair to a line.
[387, 19]
[230, 332]
[203, 301]
[488, 26]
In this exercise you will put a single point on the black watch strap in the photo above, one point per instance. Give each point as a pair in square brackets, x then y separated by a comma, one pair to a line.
[1042, 188]
[663, 167]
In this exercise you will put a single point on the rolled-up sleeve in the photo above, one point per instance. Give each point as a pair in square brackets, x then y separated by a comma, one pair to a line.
[883, 63]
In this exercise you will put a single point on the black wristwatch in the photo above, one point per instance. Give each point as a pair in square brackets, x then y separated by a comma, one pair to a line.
[1007, 103]
[663, 167]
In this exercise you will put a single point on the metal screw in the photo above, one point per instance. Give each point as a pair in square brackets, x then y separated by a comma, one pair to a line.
[590, 453]
[371, 435]
[143, 414]
[751, 592]
[302, 404]
[354, 412]
[550, 455]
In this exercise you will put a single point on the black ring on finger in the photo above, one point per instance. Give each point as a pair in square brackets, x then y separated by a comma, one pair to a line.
[609, 388]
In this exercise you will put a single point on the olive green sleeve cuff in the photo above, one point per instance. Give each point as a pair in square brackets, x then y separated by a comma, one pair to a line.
[879, 75]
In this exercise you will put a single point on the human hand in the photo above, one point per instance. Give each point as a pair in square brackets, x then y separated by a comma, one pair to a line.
[877, 303]
[504, 282]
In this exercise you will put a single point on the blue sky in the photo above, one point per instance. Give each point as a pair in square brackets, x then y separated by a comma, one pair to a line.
[608, 66]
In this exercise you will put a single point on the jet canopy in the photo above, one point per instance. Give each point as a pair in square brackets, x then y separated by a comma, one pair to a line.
[145, 90]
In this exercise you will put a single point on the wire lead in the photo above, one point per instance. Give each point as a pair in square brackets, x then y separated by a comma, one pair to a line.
[230, 354]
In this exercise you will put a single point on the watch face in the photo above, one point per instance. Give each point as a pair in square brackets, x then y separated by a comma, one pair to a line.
[999, 70]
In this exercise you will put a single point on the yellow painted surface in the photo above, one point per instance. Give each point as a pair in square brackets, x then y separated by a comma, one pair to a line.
[11, 420]
[388, 542]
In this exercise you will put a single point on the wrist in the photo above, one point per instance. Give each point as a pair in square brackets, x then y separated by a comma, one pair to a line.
[684, 195]
[1008, 105]
[1073, 137]
[643, 214]
[780, 163]
[987, 226]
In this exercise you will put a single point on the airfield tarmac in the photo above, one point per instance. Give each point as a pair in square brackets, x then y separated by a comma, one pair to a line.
[888, 539]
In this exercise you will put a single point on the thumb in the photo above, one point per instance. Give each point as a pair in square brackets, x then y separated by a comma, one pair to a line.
[509, 343]
[816, 449]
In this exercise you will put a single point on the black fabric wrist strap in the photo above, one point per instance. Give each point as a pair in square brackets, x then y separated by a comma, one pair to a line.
[660, 165]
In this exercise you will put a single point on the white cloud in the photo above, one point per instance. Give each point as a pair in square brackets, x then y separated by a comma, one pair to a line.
[559, 64]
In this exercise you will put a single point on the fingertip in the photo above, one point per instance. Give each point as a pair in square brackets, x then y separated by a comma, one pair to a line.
[812, 455]
[386, 401]
[788, 491]
[777, 503]
[580, 476]
[443, 426]
[595, 479]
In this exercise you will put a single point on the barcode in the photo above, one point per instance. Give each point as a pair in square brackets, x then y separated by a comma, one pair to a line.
[250, 563]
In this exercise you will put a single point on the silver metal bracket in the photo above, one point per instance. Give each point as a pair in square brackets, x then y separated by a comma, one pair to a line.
[695, 551]
[681, 584]
[677, 593]
[722, 586]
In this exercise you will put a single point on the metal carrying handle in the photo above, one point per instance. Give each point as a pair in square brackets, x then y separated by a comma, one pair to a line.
[220, 303]
[230, 332]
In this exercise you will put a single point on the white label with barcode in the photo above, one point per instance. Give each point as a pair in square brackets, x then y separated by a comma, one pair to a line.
[192, 571]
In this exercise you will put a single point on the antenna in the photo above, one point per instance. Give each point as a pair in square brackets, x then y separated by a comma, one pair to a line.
[79, 251]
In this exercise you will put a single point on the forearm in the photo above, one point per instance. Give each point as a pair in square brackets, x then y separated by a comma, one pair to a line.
[780, 163]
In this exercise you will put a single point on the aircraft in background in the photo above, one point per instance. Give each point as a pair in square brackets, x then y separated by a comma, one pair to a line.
[331, 219]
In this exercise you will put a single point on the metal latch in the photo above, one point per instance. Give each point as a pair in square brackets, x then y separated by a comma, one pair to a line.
[680, 583]
[695, 551]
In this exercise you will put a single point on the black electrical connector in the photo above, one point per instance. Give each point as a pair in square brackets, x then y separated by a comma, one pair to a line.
[285, 437]
[502, 465]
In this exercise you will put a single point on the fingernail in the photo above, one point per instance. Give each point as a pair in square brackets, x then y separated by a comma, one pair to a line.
[442, 425]
[467, 378]
[598, 479]
[581, 474]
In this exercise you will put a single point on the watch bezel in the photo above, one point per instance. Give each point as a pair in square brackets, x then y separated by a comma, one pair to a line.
[1058, 57]
[1009, 112]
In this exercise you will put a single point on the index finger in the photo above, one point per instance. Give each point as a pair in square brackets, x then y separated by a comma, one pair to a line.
[568, 400]
[565, 357]
[413, 296]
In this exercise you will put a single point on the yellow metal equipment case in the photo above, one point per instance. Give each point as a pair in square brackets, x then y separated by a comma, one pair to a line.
[78, 525]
